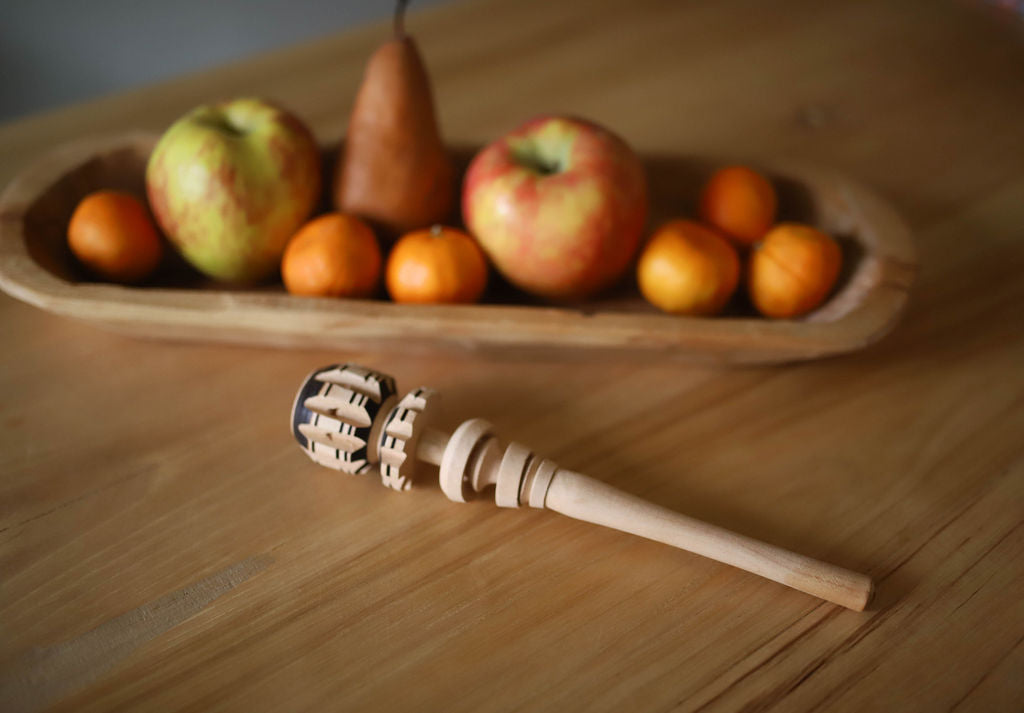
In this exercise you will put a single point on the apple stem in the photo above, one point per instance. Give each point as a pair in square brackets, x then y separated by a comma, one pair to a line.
[399, 25]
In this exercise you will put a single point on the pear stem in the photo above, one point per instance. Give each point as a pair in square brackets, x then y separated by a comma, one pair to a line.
[399, 23]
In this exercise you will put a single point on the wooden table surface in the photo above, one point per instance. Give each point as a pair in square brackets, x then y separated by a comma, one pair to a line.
[166, 546]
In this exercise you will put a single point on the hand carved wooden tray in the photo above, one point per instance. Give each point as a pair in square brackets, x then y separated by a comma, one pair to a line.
[879, 265]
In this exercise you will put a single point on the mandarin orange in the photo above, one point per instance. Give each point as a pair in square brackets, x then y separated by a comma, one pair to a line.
[439, 265]
[688, 269]
[739, 202]
[113, 235]
[334, 255]
[793, 270]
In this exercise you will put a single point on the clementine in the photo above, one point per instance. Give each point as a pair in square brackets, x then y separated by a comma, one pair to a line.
[793, 270]
[686, 268]
[334, 255]
[112, 234]
[441, 264]
[740, 202]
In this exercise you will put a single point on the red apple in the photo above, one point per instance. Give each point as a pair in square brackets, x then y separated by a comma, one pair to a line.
[230, 184]
[558, 205]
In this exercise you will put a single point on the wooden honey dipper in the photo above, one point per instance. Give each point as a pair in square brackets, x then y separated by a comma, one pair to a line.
[349, 418]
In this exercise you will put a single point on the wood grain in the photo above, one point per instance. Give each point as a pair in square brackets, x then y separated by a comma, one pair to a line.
[43, 675]
[130, 469]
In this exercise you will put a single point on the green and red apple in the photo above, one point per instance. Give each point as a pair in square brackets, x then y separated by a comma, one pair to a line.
[230, 183]
[559, 205]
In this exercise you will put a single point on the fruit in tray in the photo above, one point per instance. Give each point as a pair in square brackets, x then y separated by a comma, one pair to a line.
[335, 255]
[739, 202]
[558, 205]
[439, 265]
[113, 236]
[793, 270]
[393, 168]
[687, 268]
[692, 269]
[230, 183]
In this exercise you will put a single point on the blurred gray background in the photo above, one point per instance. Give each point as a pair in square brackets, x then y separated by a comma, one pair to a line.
[56, 52]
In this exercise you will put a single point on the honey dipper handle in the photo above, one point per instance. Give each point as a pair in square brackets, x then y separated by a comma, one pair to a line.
[583, 498]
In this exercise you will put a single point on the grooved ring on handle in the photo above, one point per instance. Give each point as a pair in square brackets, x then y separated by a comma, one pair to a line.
[541, 483]
[510, 475]
[455, 460]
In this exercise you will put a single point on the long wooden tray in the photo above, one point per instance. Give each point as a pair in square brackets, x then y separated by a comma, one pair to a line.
[37, 267]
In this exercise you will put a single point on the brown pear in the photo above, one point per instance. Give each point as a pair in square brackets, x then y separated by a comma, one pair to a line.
[393, 169]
